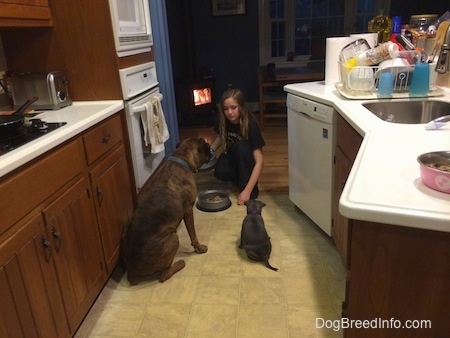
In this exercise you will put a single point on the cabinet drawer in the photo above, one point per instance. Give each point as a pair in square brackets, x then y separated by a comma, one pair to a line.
[348, 138]
[102, 138]
[28, 187]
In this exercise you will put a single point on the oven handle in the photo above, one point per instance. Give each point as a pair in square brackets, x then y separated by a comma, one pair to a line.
[140, 109]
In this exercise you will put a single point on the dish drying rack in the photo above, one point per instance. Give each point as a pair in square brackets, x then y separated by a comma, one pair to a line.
[401, 72]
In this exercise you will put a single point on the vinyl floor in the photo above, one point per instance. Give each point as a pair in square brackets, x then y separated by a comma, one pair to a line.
[224, 294]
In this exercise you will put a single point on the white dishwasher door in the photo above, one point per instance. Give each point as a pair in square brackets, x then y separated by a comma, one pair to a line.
[311, 144]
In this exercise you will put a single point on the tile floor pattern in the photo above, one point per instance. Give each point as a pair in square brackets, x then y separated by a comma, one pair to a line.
[224, 294]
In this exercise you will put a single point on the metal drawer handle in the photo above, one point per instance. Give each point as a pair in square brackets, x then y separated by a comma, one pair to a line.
[47, 248]
[99, 195]
[57, 236]
[106, 138]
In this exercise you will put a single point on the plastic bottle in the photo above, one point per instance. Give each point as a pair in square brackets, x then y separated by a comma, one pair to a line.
[382, 25]
[374, 56]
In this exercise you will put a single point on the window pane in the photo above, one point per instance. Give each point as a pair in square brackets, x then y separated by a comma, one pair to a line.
[303, 9]
[311, 21]
[278, 30]
[362, 23]
[277, 48]
[302, 46]
[302, 28]
[320, 8]
[276, 8]
[336, 26]
[278, 37]
[365, 6]
[319, 27]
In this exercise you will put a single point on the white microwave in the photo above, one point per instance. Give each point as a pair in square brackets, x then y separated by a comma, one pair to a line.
[131, 25]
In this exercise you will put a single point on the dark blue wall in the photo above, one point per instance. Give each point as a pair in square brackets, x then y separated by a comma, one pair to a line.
[226, 44]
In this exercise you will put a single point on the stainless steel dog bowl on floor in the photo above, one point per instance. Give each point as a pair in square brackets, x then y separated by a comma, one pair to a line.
[211, 164]
[213, 200]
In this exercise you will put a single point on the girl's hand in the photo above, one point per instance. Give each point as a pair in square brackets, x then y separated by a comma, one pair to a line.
[243, 197]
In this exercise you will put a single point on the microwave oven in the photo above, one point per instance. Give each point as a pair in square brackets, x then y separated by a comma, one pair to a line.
[131, 26]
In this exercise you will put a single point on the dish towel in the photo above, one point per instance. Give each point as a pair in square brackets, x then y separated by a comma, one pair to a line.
[155, 127]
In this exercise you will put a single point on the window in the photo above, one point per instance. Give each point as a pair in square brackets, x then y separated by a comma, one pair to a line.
[296, 30]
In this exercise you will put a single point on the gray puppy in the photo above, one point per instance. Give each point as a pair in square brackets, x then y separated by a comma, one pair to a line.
[254, 238]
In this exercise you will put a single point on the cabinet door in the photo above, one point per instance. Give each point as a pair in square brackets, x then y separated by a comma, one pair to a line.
[113, 200]
[340, 223]
[72, 228]
[348, 143]
[25, 13]
[31, 304]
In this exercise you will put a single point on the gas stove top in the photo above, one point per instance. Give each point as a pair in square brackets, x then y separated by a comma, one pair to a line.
[27, 134]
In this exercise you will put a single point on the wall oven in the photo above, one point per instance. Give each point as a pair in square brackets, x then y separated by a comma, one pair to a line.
[140, 86]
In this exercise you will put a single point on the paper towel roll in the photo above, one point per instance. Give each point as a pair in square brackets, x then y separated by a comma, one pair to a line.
[332, 51]
[371, 38]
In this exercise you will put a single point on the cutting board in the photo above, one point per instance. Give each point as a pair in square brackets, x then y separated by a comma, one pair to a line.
[442, 80]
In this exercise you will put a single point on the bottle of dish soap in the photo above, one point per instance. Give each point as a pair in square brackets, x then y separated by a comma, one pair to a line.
[382, 25]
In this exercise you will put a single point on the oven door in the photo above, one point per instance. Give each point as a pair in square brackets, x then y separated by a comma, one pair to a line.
[144, 162]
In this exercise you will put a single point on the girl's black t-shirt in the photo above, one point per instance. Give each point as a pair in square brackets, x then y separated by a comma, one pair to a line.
[255, 138]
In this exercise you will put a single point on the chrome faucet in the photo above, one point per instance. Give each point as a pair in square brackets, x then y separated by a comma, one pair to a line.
[442, 63]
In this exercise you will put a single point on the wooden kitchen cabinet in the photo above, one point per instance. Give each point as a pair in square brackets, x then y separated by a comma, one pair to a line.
[399, 273]
[76, 247]
[348, 143]
[80, 44]
[110, 181]
[112, 191]
[31, 302]
[25, 13]
[60, 231]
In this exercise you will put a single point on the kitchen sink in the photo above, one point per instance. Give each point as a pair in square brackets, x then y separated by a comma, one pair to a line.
[409, 112]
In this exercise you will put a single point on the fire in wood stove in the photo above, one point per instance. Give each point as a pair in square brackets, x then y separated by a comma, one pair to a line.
[195, 99]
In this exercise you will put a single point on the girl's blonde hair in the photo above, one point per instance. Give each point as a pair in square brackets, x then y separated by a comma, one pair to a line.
[245, 113]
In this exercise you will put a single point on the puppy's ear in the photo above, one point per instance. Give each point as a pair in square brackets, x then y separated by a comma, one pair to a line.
[262, 204]
[246, 203]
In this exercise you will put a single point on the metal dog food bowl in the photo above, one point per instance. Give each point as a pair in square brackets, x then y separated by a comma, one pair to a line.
[435, 170]
[213, 200]
[211, 164]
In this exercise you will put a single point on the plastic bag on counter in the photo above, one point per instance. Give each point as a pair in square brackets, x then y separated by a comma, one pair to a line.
[442, 18]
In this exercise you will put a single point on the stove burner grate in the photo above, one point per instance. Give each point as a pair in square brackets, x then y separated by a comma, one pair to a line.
[27, 134]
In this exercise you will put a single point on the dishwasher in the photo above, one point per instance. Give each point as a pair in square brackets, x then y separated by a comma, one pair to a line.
[311, 146]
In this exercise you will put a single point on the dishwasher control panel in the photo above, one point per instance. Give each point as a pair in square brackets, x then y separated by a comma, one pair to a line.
[316, 110]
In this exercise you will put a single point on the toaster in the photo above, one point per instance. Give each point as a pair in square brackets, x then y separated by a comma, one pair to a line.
[50, 88]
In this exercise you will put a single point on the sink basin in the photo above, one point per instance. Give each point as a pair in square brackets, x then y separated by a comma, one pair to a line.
[408, 112]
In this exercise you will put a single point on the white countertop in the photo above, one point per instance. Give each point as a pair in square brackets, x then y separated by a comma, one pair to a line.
[79, 116]
[384, 184]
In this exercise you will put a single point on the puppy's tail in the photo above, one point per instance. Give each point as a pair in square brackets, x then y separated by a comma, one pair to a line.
[266, 262]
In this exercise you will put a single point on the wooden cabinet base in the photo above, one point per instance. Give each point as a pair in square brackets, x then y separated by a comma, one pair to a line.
[60, 231]
[399, 273]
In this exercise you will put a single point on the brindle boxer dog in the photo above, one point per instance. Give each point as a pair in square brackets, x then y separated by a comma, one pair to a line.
[254, 238]
[150, 241]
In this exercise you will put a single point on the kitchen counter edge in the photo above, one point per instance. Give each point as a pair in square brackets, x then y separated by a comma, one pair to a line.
[430, 209]
[79, 116]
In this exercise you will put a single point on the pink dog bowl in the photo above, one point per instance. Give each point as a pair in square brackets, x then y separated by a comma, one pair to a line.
[435, 170]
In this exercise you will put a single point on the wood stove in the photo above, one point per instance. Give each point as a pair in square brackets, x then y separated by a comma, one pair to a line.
[195, 100]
